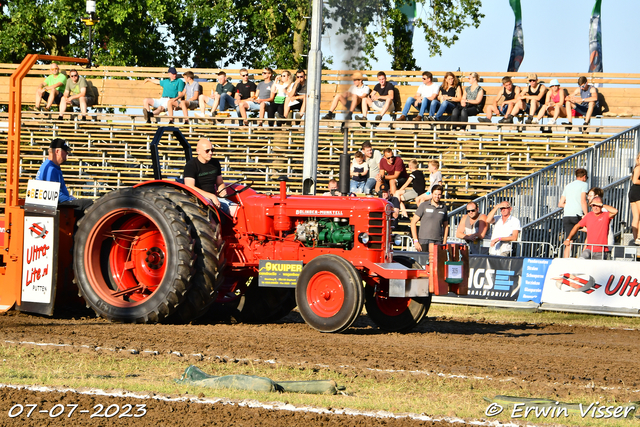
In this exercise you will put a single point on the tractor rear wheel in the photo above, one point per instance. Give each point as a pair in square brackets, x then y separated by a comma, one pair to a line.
[133, 256]
[329, 293]
[206, 234]
[395, 314]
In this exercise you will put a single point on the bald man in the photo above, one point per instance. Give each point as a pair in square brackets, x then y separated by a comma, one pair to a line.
[204, 174]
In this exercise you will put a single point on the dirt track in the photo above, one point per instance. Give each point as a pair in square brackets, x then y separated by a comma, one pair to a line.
[552, 360]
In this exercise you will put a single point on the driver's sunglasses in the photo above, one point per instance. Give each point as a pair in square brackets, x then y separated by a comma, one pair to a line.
[208, 150]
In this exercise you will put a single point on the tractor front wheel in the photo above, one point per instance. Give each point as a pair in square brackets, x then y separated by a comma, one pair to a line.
[329, 293]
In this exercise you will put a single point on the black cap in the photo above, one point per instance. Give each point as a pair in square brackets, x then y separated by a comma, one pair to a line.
[172, 70]
[60, 143]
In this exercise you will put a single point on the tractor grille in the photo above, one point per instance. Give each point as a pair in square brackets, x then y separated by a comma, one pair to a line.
[376, 230]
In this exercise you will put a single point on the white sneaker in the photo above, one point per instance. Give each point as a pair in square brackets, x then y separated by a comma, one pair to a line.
[535, 121]
[552, 122]
[198, 114]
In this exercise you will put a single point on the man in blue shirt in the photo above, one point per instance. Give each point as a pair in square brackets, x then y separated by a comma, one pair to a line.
[50, 171]
[171, 89]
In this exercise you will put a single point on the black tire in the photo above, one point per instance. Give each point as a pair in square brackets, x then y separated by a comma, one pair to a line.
[340, 286]
[395, 314]
[144, 240]
[206, 233]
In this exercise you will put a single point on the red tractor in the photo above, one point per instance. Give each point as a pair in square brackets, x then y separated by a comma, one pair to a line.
[159, 251]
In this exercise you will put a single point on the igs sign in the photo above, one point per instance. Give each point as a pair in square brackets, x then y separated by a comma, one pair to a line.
[37, 262]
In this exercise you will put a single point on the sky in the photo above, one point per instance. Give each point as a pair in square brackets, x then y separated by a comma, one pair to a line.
[556, 39]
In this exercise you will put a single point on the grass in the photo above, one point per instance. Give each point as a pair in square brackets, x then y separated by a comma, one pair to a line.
[398, 393]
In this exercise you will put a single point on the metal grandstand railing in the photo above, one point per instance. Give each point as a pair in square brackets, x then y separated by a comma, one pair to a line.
[535, 198]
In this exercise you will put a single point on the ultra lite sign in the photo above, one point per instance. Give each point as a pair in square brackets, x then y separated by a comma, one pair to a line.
[37, 261]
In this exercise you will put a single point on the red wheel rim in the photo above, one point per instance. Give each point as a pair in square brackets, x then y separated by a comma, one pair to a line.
[392, 306]
[137, 256]
[325, 294]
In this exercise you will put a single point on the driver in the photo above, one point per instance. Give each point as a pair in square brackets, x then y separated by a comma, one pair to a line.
[204, 174]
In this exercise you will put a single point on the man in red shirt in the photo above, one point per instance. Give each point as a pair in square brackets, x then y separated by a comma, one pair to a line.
[597, 223]
[392, 171]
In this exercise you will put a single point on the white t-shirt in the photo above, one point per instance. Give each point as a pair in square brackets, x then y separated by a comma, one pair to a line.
[503, 229]
[426, 91]
[361, 91]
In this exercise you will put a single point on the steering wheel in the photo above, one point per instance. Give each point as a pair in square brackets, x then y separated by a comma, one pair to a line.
[232, 191]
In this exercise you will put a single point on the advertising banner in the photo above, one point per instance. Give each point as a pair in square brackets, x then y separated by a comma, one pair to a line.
[279, 274]
[37, 261]
[534, 271]
[593, 283]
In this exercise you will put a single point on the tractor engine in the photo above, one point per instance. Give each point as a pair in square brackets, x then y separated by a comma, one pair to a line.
[325, 232]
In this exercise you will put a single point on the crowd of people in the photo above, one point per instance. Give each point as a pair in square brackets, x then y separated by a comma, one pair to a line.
[280, 95]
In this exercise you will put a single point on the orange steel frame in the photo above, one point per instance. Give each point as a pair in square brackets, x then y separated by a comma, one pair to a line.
[10, 291]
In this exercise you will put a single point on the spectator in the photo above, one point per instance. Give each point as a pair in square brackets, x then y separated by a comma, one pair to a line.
[352, 99]
[449, 96]
[297, 96]
[634, 200]
[281, 87]
[427, 92]
[434, 222]
[412, 188]
[503, 103]
[584, 101]
[472, 103]
[380, 99]
[51, 90]
[372, 158]
[204, 174]
[333, 188]
[392, 171]
[75, 93]
[597, 192]
[574, 202]
[472, 228]
[506, 229]
[261, 101]
[384, 194]
[245, 94]
[190, 93]
[435, 178]
[171, 88]
[359, 173]
[597, 223]
[555, 105]
[50, 171]
[221, 97]
[530, 100]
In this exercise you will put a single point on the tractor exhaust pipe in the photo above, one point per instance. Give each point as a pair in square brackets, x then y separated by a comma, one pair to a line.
[344, 165]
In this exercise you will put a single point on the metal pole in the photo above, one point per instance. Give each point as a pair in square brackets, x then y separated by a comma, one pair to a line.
[312, 119]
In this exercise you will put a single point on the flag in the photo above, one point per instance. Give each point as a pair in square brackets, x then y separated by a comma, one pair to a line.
[517, 43]
[595, 40]
[409, 10]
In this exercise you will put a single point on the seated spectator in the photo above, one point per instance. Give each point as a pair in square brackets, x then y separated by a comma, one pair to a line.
[380, 99]
[506, 229]
[449, 95]
[333, 188]
[584, 101]
[597, 222]
[75, 93]
[245, 92]
[261, 100]
[472, 103]
[427, 92]
[372, 158]
[190, 95]
[472, 228]
[554, 105]
[435, 178]
[359, 173]
[171, 88]
[384, 193]
[281, 87]
[52, 89]
[222, 96]
[412, 188]
[351, 99]
[503, 103]
[531, 99]
[297, 96]
[392, 171]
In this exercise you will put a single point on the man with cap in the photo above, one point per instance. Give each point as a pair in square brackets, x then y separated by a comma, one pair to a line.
[351, 99]
[531, 99]
[50, 171]
[171, 88]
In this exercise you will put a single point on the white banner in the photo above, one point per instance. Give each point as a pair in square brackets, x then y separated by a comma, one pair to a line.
[593, 283]
[42, 193]
[37, 261]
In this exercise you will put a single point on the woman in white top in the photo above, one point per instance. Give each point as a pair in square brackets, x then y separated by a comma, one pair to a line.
[281, 86]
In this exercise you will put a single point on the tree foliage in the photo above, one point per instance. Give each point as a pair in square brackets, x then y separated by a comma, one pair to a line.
[216, 33]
